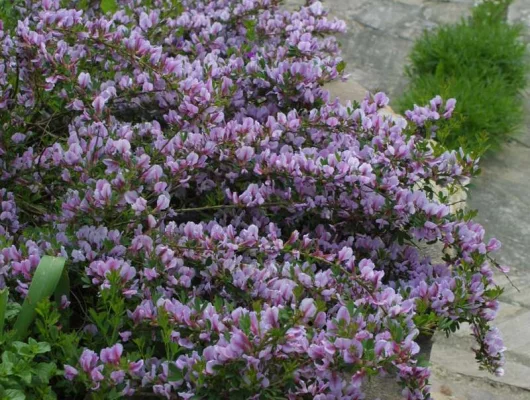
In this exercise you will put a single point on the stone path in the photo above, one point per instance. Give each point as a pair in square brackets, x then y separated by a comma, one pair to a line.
[380, 36]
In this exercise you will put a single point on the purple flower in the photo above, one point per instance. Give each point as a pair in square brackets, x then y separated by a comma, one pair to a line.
[449, 108]
[65, 303]
[88, 360]
[112, 355]
[162, 202]
[117, 376]
[137, 367]
[308, 309]
[84, 80]
[70, 372]
[96, 376]
[99, 104]
[244, 153]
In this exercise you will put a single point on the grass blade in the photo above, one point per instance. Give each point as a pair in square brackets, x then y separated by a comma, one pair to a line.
[43, 285]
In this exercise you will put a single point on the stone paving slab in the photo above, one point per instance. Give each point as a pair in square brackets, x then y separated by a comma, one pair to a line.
[455, 355]
[453, 386]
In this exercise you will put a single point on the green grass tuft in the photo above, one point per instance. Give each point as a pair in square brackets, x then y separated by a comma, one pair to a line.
[481, 62]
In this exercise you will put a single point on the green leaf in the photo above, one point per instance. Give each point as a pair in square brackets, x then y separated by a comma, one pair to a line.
[369, 346]
[25, 376]
[175, 374]
[109, 6]
[14, 394]
[22, 348]
[113, 395]
[250, 26]
[244, 323]
[8, 362]
[44, 371]
[38, 347]
[43, 347]
[341, 66]
[43, 284]
[13, 309]
[4, 295]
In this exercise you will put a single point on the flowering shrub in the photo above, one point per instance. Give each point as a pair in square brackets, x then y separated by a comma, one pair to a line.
[230, 231]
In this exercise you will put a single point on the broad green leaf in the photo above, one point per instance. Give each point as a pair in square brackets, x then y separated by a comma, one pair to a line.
[14, 394]
[25, 375]
[8, 362]
[42, 347]
[22, 348]
[43, 285]
[44, 371]
[9, 358]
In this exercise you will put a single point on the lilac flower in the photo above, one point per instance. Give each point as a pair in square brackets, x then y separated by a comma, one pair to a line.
[449, 108]
[99, 104]
[308, 309]
[65, 303]
[162, 202]
[117, 376]
[88, 360]
[125, 336]
[244, 153]
[112, 355]
[139, 205]
[96, 376]
[70, 372]
[84, 80]
[136, 368]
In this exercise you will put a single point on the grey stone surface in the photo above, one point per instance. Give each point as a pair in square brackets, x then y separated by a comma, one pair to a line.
[380, 36]
[519, 12]
[449, 385]
[349, 90]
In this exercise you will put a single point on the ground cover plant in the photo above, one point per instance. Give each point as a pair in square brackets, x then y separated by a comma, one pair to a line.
[228, 230]
[480, 61]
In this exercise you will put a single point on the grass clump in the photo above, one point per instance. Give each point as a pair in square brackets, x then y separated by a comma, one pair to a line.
[481, 62]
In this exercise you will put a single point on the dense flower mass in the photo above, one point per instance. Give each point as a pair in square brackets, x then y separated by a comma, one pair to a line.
[231, 231]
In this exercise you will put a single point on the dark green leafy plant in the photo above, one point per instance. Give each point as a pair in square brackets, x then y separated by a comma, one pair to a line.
[480, 62]
[22, 374]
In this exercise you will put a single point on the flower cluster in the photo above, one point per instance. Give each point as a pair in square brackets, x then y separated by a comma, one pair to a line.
[231, 231]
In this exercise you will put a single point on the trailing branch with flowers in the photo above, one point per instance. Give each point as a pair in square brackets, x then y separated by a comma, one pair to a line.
[229, 230]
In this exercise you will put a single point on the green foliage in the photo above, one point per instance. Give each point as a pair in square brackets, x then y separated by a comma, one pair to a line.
[8, 13]
[45, 281]
[22, 374]
[109, 6]
[482, 63]
[4, 295]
